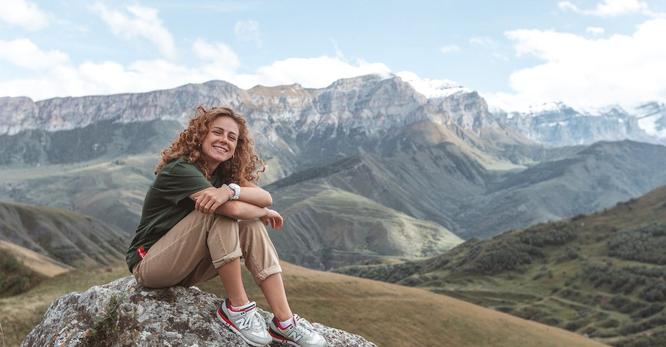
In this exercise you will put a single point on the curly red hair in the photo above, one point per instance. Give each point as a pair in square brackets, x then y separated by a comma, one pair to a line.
[245, 166]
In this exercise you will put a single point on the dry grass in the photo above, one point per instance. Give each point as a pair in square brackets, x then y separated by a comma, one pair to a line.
[34, 261]
[384, 313]
[392, 315]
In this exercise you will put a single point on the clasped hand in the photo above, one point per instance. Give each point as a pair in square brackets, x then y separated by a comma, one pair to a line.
[273, 218]
[208, 200]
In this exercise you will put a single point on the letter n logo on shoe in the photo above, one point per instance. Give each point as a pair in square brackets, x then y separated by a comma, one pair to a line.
[244, 322]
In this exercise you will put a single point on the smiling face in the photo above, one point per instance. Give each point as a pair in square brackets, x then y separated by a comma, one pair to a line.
[220, 142]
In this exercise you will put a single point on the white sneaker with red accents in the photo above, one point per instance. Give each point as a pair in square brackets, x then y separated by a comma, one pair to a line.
[300, 333]
[246, 322]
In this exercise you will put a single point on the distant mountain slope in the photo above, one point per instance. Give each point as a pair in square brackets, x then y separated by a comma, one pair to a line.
[329, 227]
[103, 139]
[602, 275]
[441, 183]
[71, 238]
[444, 184]
[112, 191]
[426, 182]
[596, 177]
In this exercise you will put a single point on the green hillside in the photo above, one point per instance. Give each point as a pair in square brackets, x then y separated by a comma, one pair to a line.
[15, 277]
[601, 275]
[327, 227]
[64, 236]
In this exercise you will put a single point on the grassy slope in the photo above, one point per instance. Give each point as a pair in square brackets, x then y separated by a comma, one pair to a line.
[563, 273]
[387, 314]
[326, 227]
[36, 262]
[68, 237]
[15, 277]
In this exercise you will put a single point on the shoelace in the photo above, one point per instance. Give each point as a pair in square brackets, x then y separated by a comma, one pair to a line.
[303, 327]
[303, 321]
[255, 320]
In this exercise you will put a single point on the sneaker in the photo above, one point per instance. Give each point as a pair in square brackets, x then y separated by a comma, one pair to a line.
[247, 323]
[301, 333]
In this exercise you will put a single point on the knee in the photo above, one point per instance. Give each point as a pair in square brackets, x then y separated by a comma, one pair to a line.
[263, 274]
[252, 225]
[253, 233]
[211, 219]
[223, 222]
[253, 229]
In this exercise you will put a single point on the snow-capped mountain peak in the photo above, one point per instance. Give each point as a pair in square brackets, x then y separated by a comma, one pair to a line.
[431, 88]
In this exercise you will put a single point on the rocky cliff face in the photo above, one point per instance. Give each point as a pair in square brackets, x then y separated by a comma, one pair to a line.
[121, 313]
[17, 114]
[293, 125]
[297, 125]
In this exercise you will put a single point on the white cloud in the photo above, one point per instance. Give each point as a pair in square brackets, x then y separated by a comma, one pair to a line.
[248, 30]
[24, 53]
[59, 77]
[448, 49]
[140, 21]
[595, 30]
[567, 6]
[315, 72]
[218, 54]
[588, 72]
[611, 8]
[24, 14]
[483, 41]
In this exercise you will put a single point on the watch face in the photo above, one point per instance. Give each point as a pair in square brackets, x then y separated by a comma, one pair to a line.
[236, 189]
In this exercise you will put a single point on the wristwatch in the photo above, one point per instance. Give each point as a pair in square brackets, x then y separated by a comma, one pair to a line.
[236, 188]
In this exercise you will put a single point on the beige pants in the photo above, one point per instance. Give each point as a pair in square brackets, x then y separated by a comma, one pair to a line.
[199, 244]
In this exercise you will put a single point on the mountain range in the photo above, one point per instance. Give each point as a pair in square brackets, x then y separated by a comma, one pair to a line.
[430, 170]
[557, 124]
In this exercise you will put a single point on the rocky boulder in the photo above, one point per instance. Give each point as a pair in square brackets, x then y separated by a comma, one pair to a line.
[122, 313]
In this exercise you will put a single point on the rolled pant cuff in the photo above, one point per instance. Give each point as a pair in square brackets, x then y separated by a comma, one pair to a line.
[217, 263]
[263, 274]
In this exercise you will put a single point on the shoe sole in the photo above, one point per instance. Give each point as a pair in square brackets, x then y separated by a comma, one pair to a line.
[230, 325]
[282, 340]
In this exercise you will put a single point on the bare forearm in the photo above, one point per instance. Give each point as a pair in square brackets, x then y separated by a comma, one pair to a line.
[240, 210]
[255, 196]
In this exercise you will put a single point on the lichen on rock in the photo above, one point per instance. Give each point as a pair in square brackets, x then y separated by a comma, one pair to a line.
[122, 313]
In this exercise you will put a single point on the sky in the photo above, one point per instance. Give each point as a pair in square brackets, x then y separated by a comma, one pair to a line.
[516, 54]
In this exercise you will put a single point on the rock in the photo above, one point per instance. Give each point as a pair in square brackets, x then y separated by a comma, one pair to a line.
[121, 313]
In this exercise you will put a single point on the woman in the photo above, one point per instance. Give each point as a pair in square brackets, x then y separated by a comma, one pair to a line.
[202, 214]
